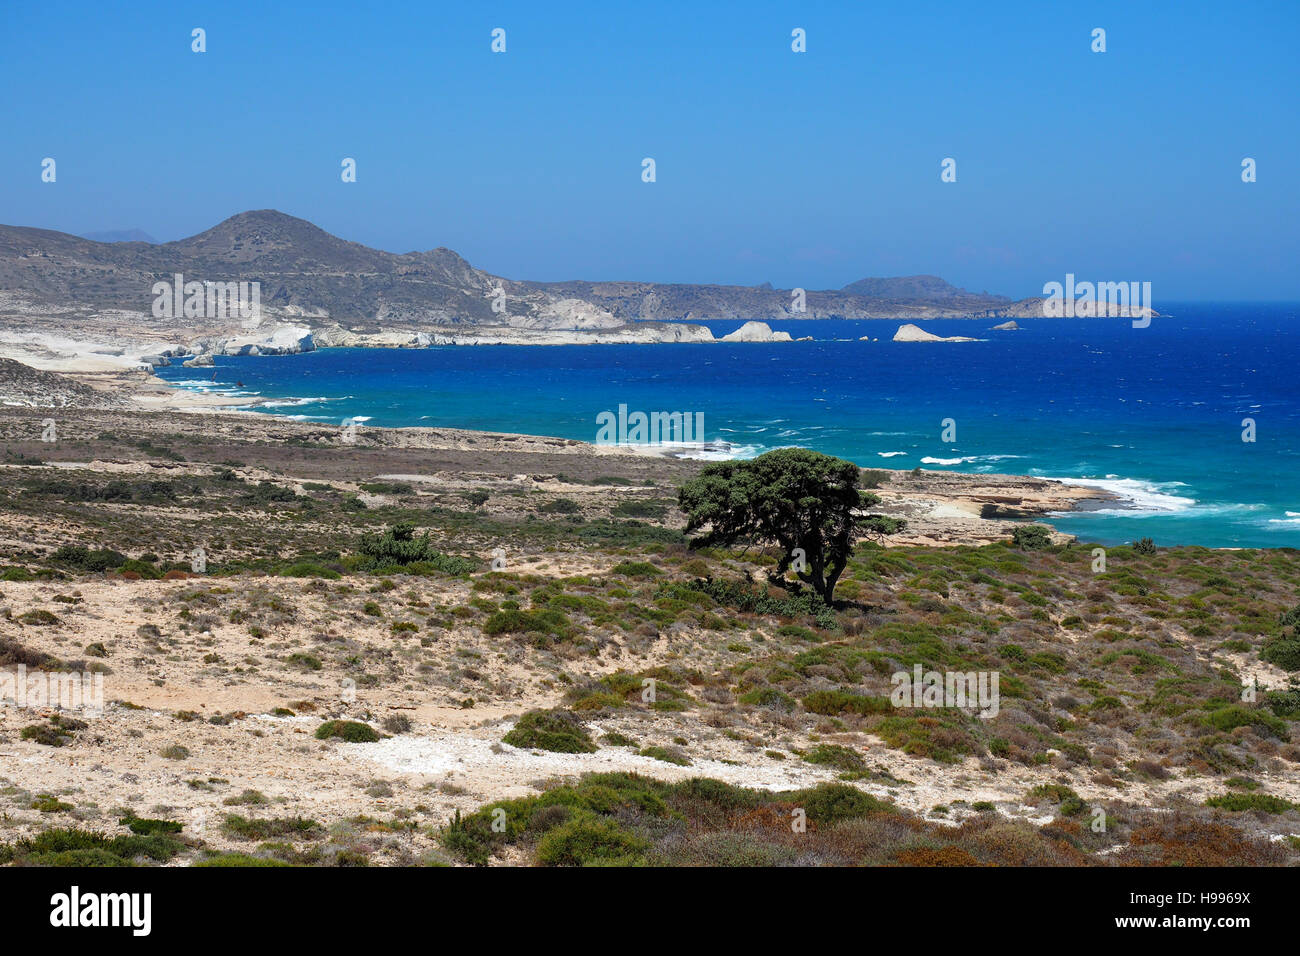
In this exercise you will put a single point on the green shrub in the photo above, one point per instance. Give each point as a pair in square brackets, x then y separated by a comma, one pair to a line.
[543, 621]
[831, 802]
[351, 731]
[832, 703]
[558, 731]
[588, 840]
[636, 569]
[75, 848]
[251, 828]
[38, 618]
[1069, 803]
[1233, 716]
[398, 549]
[309, 569]
[873, 478]
[667, 755]
[639, 509]
[145, 569]
[83, 559]
[1284, 703]
[1284, 652]
[769, 697]
[834, 755]
[145, 826]
[240, 860]
[1031, 537]
[1238, 802]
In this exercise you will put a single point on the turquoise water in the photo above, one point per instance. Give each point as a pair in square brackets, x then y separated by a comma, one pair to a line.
[1153, 414]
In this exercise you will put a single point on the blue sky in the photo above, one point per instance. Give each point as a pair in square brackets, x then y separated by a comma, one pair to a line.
[812, 169]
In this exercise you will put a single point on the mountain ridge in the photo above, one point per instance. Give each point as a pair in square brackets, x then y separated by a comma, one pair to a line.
[308, 274]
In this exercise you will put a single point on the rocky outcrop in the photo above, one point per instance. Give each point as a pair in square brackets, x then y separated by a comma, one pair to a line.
[756, 332]
[283, 340]
[1006, 327]
[22, 385]
[912, 333]
[1049, 308]
[337, 337]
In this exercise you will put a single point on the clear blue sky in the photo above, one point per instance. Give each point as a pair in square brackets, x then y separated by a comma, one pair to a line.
[810, 170]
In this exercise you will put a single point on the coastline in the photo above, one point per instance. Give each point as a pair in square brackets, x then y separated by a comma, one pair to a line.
[941, 507]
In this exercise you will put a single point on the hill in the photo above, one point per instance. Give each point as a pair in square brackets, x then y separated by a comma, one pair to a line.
[307, 274]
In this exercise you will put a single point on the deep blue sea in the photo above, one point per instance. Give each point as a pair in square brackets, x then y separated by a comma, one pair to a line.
[1153, 414]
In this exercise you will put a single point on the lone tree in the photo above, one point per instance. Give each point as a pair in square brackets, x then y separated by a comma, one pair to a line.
[801, 500]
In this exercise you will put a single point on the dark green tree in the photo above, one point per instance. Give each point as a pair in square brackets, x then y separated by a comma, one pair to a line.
[805, 502]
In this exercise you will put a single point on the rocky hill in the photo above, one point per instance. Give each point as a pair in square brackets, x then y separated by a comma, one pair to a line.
[23, 386]
[310, 276]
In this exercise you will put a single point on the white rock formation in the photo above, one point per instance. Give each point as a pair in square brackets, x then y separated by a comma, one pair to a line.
[912, 333]
[756, 332]
[285, 340]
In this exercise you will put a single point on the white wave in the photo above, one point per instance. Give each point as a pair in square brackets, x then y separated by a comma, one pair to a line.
[294, 402]
[968, 459]
[890, 454]
[719, 451]
[1149, 497]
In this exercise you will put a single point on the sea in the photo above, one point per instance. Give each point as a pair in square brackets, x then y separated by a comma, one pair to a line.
[1193, 421]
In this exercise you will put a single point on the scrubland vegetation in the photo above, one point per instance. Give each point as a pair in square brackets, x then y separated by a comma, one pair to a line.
[607, 636]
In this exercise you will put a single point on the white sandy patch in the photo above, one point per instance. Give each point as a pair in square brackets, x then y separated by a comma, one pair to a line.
[510, 771]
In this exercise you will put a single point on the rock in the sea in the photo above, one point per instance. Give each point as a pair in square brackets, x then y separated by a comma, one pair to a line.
[1007, 327]
[756, 332]
[912, 333]
[199, 361]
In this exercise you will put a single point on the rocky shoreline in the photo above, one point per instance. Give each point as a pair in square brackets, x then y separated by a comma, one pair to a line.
[940, 507]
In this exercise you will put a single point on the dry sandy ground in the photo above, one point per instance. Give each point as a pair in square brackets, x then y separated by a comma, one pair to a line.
[450, 759]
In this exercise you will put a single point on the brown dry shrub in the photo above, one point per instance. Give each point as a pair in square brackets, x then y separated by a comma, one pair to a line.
[868, 841]
[944, 856]
[1182, 840]
[1016, 843]
[12, 653]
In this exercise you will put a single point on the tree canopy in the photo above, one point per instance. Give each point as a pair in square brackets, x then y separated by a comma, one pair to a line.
[805, 502]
